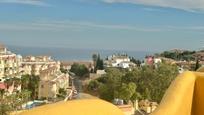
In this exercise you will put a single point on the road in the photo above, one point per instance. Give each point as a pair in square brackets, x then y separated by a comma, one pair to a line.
[78, 86]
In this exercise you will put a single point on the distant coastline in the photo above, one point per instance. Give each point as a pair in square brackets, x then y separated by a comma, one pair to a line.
[70, 54]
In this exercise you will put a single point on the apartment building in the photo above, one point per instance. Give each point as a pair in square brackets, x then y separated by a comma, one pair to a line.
[9, 63]
[32, 65]
[51, 80]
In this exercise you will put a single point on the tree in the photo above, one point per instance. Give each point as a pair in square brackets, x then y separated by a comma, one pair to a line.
[110, 83]
[176, 55]
[106, 92]
[135, 61]
[151, 83]
[197, 65]
[65, 71]
[93, 85]
[30, 83]
[25, 80]
[4, 108]
[94, 58]
[131, 76]
[13, 102]
[125, 91]
[80, 70]
[62, 92]
[34, 85]
[98, 62]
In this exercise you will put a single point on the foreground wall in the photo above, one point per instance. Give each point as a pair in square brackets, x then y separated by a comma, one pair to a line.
[185, 96]
[76, 107]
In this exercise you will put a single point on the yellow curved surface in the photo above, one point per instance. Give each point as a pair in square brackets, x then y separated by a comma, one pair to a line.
[76, 107]
[185, 95]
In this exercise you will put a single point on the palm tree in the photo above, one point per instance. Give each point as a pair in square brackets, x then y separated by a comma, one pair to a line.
[30, 83]
[34, 85]
[25, 80]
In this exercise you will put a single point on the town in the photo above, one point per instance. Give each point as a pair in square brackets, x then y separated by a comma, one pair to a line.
[134, 86]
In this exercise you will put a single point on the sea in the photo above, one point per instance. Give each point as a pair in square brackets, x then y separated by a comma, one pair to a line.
[71, 54]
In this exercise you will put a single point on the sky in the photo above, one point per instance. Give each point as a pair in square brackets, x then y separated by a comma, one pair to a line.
[134, 25]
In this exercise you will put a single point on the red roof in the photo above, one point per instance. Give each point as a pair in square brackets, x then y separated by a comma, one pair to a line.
[2, 86]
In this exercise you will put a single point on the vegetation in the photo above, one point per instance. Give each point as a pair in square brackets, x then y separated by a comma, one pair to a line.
[98, 62]
[65, 71]
[80, 70]
[197, 65]
[135, 61]
[62, 93]
[182, 55]
[11, 81]
[142, 83]
[30, 83]
[13, 102]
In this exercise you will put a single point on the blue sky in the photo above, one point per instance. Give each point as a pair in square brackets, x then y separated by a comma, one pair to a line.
[136, 25]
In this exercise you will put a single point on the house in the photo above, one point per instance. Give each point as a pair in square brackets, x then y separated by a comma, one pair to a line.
[149, 60]
[157, 60]
[120, 61]
[147, 106]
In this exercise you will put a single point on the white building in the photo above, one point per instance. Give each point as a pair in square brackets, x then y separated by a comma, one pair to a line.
[121, 61]
[157, 60]
[9, 63]
[124, 65]
[32, 65]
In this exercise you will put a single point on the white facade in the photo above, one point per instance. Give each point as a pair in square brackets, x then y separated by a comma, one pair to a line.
[9, 63]
[157, 60]
[118, 61]
[33, 65]
[124, 65]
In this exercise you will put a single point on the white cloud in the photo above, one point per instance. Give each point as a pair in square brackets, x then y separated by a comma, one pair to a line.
[187, 5]
[187, 28]
[71, 25]
[27, 2]
[57, 26]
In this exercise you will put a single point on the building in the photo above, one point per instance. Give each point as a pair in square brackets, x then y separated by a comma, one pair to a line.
[147, 106]
[32, 65]
[51, 80]
[120, 61]
[9, 64]
[68, 64]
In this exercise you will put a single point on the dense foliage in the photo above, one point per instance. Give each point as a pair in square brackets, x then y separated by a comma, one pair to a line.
[13, 102]
[143, 83]
[80, 70]
[30, 83]
[135, 61]
[98, 62]
[185, 55]
[65, 71]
